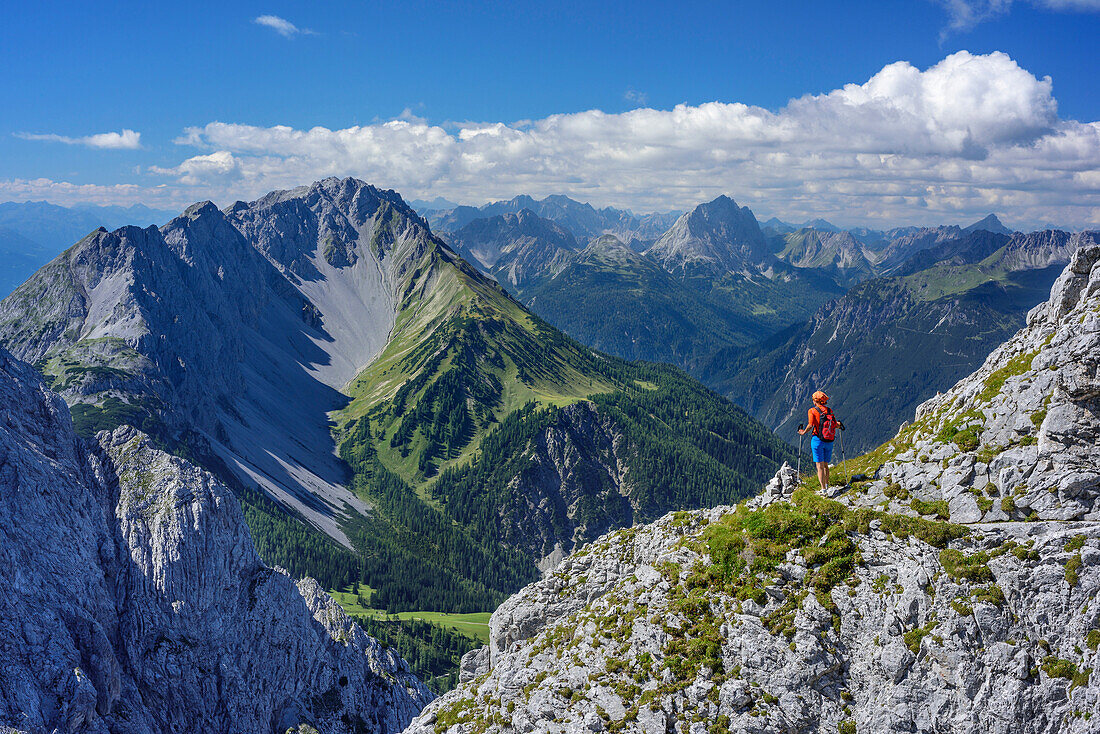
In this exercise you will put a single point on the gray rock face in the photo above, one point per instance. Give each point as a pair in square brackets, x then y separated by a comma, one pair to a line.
[714, 238]
[1019, 437]
[233, 332]
[901, 646]
[135, 602]
[905, 625]
[573, 489]
[516, 249]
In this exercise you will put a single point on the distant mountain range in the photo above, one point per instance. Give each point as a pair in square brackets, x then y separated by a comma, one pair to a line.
[705, 290]
[750, 311]
[342, 369]
[584, 221]
[892, 342]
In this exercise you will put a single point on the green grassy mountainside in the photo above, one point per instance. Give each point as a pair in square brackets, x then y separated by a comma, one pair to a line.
[621, 302]
[485, 439]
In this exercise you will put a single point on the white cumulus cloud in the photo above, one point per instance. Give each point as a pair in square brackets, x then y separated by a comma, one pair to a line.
[66, 193]
[124, 140]
[282, 26]
[220, 165]
[969, 135]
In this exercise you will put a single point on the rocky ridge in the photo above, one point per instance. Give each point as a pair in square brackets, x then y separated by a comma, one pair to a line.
[867, 612]
[230, 333]
[584, 221]
[836, 252]
[516, 249]
[1017, 439]
[134, 600]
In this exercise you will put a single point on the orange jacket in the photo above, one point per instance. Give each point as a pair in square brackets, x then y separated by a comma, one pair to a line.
[813, 420]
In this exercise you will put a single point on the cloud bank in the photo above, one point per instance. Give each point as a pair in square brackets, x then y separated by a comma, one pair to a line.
[970, 135]
[124, 140]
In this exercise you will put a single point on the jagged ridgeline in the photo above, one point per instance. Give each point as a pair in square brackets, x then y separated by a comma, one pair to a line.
[343, 370]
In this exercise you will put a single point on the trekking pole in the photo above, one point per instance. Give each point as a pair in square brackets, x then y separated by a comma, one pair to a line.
[848, 469]
[800, 453]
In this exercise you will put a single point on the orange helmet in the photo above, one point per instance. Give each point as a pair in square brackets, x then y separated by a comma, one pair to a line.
[820, 397]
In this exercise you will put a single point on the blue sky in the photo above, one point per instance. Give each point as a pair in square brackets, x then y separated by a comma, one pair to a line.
[169, 73]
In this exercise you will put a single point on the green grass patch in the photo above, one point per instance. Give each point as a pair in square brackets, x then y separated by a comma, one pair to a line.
[925, 507]
[914, 636]
[959, 566]
[1073, 569]
[991, 594]
[1018, 365]
[1076, 543]
[474, 625]
[1056, 667]
[964, 430]
[962, 608]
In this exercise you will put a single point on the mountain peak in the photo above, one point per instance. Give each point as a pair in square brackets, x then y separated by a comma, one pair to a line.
[990, 224]
[822, 225]
[608, 244]
[715, 237]
[200, 209]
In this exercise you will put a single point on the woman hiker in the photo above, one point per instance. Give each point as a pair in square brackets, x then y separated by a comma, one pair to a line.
[823, 424]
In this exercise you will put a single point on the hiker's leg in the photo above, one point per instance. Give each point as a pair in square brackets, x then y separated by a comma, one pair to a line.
[826, 475]
[823, 475]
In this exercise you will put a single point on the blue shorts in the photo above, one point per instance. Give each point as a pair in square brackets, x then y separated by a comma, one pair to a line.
[821, 450]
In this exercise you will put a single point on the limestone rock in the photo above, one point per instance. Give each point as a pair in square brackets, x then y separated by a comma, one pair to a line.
[134, 600]
[1018, 438]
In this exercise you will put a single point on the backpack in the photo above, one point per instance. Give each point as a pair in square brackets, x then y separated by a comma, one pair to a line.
[826, 424]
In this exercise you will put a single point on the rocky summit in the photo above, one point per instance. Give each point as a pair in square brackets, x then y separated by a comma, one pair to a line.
[230, 333]
[134, 601]
[713, 238]
[950, 586]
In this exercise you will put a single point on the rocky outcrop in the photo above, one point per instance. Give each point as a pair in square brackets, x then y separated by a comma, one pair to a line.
[798, 613]
[633, 636]
[572, 488]
[1018, 438]
[134, 600]
[714, 238]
